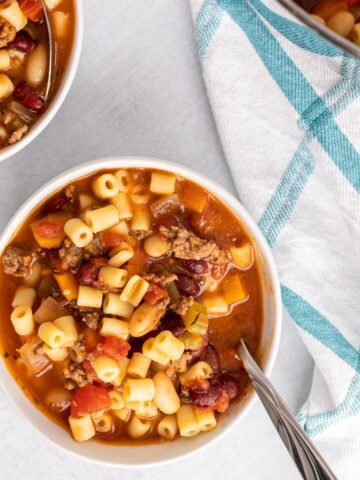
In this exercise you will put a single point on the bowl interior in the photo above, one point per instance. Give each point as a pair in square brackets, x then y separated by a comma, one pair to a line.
[62, 91]
[156, 453]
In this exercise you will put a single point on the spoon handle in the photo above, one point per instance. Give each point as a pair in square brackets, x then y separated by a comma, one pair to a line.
[308, 460]
[51, 51]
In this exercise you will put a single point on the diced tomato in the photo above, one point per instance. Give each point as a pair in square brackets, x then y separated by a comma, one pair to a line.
[91, 338]
[115, 348]
[221, 404]
[32, 9]
[89, 399]
[154, 294]
[48, 230]
[111, 240]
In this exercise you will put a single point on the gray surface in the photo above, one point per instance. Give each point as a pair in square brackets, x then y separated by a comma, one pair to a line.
[139, 91]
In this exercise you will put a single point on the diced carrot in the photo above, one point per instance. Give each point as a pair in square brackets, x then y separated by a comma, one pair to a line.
[68, 285]
[49, 230]
[32, 9]
[91, 339]
[233, 289]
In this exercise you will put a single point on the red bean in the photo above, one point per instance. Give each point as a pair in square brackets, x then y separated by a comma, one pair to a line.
[23, 42]
[188, 285]
[211, 357]
[54, 204]
[206, 398]
[195, 266]
[88, 273]
[174, 323]
[29, 98]
[168, 220]
[230, 385]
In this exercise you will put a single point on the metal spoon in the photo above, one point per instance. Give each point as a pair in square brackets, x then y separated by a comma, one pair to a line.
[308, 460]
[51, 51]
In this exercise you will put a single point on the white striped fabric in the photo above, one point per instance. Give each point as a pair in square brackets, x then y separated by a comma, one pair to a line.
[287, 107]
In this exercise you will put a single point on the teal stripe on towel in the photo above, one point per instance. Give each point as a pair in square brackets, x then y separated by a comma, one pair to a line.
[297, 89]
[287, 193]
[301, 36]
[206, 24]
[317, 325]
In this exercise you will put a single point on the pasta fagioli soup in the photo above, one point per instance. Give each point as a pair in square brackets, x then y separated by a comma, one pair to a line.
[24, 61]
[122, 299]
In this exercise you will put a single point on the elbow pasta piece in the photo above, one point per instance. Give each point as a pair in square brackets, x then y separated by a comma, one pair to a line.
[89, 297]
[5, 60]
[168, 427]
[141, 220]
[138, 427]
[36, 66]
[55, 354]
[6, 86]
[155, 246]
[68, 326]
[153, 353]
[120, 256]
[112, 327]
[121, 228]
[139, 194]
[113, 305]
[12, 13]
[123, 414]
[103, 423]
[166, 398]
[205, 420]
[144, 319]
[123, 366]
[134, 290]
[102, 218]
[78, 232]
[24, 296]
[106, 368]
[51, 335]
[122, 204]
[162, 183]
[124, 180]
[60, 23]
[138, 390]
[113, 277]
[23, 320]
[67, 284]
[139, 365]
[169, 345]
[187, 422]
[146, 409]
[82, 428]
[117, 401]
[215, 303]
[198, 370]
[105, 186]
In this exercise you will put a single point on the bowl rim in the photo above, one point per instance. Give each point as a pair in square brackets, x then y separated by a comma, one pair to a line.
[63, 89]
[232, 203]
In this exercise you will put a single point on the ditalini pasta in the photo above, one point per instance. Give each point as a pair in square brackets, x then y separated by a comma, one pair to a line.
[129, 290]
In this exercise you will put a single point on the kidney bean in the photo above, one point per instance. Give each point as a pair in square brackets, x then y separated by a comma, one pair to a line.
[54, 204]
[174, 323]
[230, 385]
[196, 354]
[195, 266]
[88, 273]
[211, 356]
[23, 42]
[188, 285]
[206, 398]
[168, 220]
[29, 98]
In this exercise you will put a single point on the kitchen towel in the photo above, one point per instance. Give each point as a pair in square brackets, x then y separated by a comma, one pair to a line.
[287, 108]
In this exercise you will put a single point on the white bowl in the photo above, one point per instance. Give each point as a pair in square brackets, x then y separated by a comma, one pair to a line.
[62, 91]
[154, 454]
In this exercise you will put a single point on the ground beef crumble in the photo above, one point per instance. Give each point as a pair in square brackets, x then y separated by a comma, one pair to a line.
[7, 116]
[162, 279]
[181, 305]
[187, 246]
[70, 255]
[92, 319]
[75, 376]
[178, 366]
[17, 261]
[18, 134]
[95, 248]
